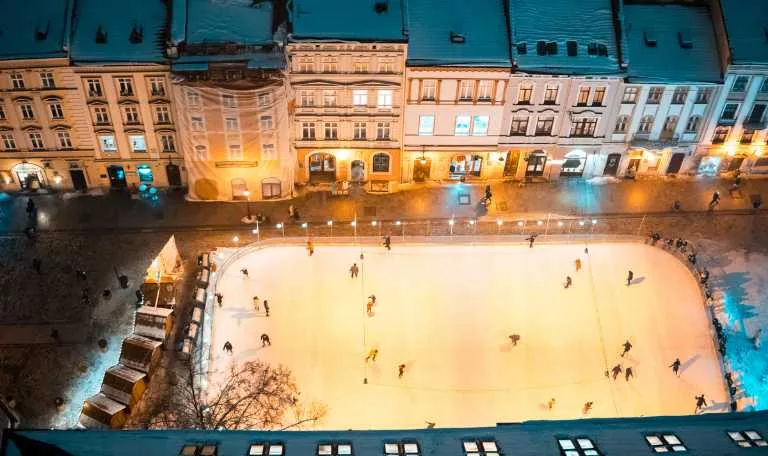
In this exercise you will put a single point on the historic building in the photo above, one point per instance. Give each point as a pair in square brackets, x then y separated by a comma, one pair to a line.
[347, 60]
[666, 101]
[231, 98]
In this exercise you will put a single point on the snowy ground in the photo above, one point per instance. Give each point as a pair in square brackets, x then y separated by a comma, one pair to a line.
[445, 311]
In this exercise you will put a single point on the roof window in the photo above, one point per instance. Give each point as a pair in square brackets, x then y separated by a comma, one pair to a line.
[266, 449]
[42, 33]
[137, 34]
[685, 39]
[101, 36]
[334, 449]
[664, 443]
[572, 48]
[747, 439]
[457, 37]
[578, 446]
[541, 47]
[552, 48]
[409, 448]
[380, 7]
[483, 447]
[198, 450]
[650, 38]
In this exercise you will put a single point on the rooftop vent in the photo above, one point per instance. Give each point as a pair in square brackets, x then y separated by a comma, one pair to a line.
[101, 36]
[457, 37]
[137, 34]
[572, 48]
[381, 7]
[522, 48]
[42, 33]
[685, 39]
[650, 39]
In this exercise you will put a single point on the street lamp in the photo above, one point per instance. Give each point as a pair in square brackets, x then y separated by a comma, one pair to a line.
[248, 203]
[499, 222]
[330, 225]
[450, 224]
[281, 226]
[353, 223]
[236, 238]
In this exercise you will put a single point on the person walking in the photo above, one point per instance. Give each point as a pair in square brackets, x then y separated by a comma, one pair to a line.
[36, 265]
[369, 307]
[265, 340]
[701, 402]
[388, 242]
[228, 347]
[568, 281]
[627, 347]
[630, 276]
[551, 404]
[353, 270]
[310, 248]
[219, 298]
[676, 366]
[577, 263]
[266, 307]
[587, 407]
[372, 354]
[715, 200]
[256, 301]
[616, 371]
[245, 272]
[400, 370]
[514, 339]
[488, 193]
[628, 373]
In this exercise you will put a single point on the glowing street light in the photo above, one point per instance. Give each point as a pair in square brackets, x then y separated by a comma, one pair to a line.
[373, 222]
[330, 225]
[281, 226]
[539, 222]
[236, 238]
[594, 221]
[248, 203]
[499, 222]
[450, 224]
[397, 222]
[304, 225]
[471, 222]
[255, 231]
[581, 222]
[560, 223]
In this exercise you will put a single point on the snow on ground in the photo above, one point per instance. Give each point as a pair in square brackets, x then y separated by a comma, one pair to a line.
[446, 311]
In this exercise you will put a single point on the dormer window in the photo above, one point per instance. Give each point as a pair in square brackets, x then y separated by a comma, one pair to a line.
[650, 38]
[522, 48]
[457, 38]
[137, 35]
[685, 39]
[101, 36]
[572, 48]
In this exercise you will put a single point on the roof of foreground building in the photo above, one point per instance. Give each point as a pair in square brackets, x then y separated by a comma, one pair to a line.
[32, 29]
[747, 29]
[671, 43]
[438, 34]
[349, 20]
[710, 434]
[239, 21]
[565, 36]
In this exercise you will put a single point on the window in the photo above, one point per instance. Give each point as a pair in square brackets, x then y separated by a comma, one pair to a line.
[193, 98]
[692, 126]
[266, 448]
[167, 143]
[131, 114]
[480, 448]
[17, 81]
[305, 65]
[426, 125]
[334, 449]
[47, 81]
[65, 141]
[125, 87]
[598, 97]
[484, 90]
[679, 95]
[231, 123]
[646, 123]
[630, 95]
[307, 98]
[268, 152]
[107, 143]
[2, 112]
[9, 142]
[381, 163]
[36, 140]
[307, 130]
[329, 98]
[747, 136]
[266, 122]
[331, 130]
[524, 94]
[729, 111]
[583, 97]
[461, 128]
[330, 65]
[197, 123]
[664, 443]
[622, 123]
[757, 113]
[265, 99]
[162, 114]
[360, 67]
[721, 133]
[384, 99]
[360, 97]
[428, 90]
[764, 86]
[228, 101]
[519, 126]
[235, 152]
[740, 84]
[94, 87]
[157, 87]
[747, 439]
[480, 125]
[655, 94]
[550, 94]
[27, 113]
[386, 66]
[580, 446]
[358, 130]
[382, 131]
[703, 95]
[56, 111]
[584, 127]
[401, 449]
[201, 153]
[138, 143]
[465, 90]
[670, 123]
[544, 126]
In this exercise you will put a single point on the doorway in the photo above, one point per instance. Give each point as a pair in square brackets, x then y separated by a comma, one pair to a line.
[612, 165]
[116, 177]
[574, 163]
[174, 175]
[239, 187]
[465, 165]
[357, 171]
[735, 163]
[510, 166]
[421, 167]
[322, 167]
[78, 180]
[536, 163]
[31, 177]
[675, 163]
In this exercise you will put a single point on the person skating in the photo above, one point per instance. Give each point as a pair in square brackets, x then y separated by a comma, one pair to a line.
[244, 271]
[630, 276]
[256, 301]
[514, 339]
[551, 403]
[676, 366]
[265, 340]
[310, 248]
[372, 354]
[228, 347]
[577, 263]
[628, 373]
[400, 370]
[388, 242]
[627, 347]
[587, 407]
[568, 281]
[715, 200]
[616, 371]
[369, 307]
[37, 265]
[266, 307]
[219, 298]
[704, 276]
[701, 402]
[530, 239]
[353, 270]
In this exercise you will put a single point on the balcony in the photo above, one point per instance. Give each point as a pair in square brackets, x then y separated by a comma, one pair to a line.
[646, 143]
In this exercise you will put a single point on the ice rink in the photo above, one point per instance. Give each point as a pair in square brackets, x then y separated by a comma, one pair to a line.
[446, 311]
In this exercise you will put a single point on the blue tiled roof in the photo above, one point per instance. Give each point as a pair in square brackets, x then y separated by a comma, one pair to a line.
[34, 28]
[668, 26]
[701, 434]
[746, 23]
[584, 22]
[479, 38]
[266, 60]
[117, 22]
[229, 20]
[347, 20]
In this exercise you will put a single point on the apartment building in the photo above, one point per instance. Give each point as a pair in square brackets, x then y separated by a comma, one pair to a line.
[44, 142]
[230, 93]
[122, 76]
[567, 71]
[457, 77]
[735, 137]
[347, 60]
[666, 101]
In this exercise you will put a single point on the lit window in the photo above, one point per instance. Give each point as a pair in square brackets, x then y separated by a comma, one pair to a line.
[480, 448]
[664, 443]
[330, 65]
[550, 94]
[747, 439]
[583, 97]
[46, 80]
[266, 122]
[305, 65]
[228, 101]
[381, 165]
[401, 449]
[386, 66]
[630, 95]
[107, 143]
[479, 125]
[334, 449]
[461, 128]
[138, 144]
[384, 99]
[598, 97]
[360, 67]
[524, 94]
[145, 173]
[426, 125]
[360, 97]
[580, 446]
[266, 449]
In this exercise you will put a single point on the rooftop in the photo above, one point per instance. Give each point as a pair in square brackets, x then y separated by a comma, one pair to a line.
[563, 36]
[356, 20]
[34, 28]
[238, 21]
[105, 31]
[747, 29]
[479, 39]
[671, 43]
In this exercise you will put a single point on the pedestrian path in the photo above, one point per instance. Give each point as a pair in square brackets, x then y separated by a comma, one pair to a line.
[31, 334]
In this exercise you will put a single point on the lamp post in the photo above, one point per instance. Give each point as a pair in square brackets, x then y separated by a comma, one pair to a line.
[281, 226]
[330, 225]
[305, 225]
[499, 222]
[248, 203]
[450, 225]
[354, 226]
[402, 227]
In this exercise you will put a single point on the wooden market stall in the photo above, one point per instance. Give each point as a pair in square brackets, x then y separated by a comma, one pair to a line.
[140, 353]
[124, 385]
[153, 322]
[101, 412]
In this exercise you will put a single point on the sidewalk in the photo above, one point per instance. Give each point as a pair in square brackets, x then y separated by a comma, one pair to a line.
[510, 200]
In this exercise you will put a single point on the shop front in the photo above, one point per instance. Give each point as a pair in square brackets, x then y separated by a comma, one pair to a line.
[573, 164]
[29, 176]
[465, 166]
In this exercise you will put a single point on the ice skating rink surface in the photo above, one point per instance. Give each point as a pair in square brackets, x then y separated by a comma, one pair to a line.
[446, 311]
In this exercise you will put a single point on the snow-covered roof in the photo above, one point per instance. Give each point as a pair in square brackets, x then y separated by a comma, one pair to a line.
[357, 20]
[671, 43]
[746, 23]
[34, 28]
[267, 60]
[476, 39]
[126, 32]
[544, 33]
[240, 21]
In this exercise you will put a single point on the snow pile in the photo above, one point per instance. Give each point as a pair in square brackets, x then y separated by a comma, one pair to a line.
[602, 180]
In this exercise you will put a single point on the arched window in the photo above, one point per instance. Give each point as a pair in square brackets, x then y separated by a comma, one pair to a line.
[381, 163]
[645, 124]
[621, 124]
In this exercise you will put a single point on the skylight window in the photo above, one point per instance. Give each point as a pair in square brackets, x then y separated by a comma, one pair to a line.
[572, 48]
[747, 439]
[685, 39]
[409, 448]
[457, 38]
[481, 448]
[266, 449]
[579, 446]
[650, 38]
[665, 443]
[334, 449]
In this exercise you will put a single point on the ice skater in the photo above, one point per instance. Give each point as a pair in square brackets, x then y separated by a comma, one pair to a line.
[551, 404]
[388, 242]
[400, 370]
[256, 301]
[676, 366]
[714, 201]
[568, 281]
[265, 340]
[587, 407]
[577, 263]
[372, 355]
[616, 371]
[630, 276]
[266, 307]
[228, 347]
[245, 272]
[310, 248]
[514, 339]
[531, 239]
[627, 347]
[704, 276]
[353, 270]
[369, 307]
[628, 373]
[219, 298]
[701, 402]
